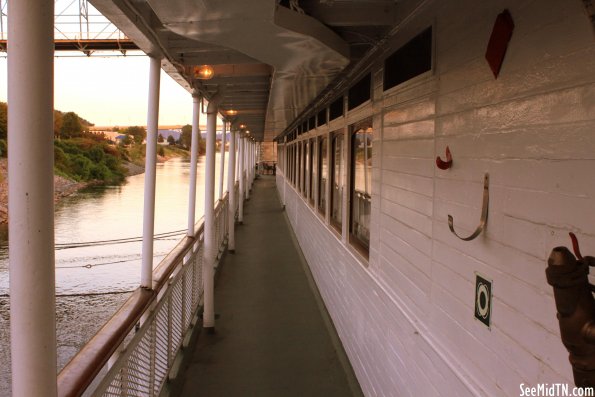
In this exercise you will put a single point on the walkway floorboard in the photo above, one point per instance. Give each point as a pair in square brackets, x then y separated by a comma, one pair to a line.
[271, 338]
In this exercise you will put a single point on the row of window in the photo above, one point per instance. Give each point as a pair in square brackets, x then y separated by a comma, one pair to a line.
[410, 60]
[333, 172]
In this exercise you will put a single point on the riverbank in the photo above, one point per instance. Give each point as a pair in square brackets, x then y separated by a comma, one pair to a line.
[62, 187]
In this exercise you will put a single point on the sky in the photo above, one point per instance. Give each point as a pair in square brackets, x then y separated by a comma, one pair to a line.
[111, 91]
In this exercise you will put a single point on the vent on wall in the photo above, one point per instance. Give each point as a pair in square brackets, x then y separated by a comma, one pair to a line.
[412, 59]
[359, 92]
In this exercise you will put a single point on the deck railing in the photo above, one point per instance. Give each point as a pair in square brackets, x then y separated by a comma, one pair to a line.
[133, 353]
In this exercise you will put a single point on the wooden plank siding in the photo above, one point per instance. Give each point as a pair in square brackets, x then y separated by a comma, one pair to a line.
[406, 317]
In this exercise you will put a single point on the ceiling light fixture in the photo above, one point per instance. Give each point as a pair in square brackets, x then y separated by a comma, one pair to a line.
[203, 72]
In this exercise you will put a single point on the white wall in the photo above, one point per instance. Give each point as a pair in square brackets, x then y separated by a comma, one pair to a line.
[406, 320]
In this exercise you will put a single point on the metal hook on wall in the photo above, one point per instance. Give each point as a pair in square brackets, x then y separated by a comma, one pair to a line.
[484, 213]
[444, 165]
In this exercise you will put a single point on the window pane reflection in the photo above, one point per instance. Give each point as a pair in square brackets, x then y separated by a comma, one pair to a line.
[337, 180]
[361, 194]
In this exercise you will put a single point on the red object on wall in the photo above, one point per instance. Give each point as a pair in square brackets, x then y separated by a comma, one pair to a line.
[444, 165]
[501, 34]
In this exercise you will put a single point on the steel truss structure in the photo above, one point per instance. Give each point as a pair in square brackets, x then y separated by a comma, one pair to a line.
[78, 27]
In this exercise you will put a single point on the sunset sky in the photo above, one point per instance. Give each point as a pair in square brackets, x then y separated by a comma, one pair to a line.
[110, 91]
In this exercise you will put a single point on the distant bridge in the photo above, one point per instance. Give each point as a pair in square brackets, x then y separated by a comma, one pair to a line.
[78, 26]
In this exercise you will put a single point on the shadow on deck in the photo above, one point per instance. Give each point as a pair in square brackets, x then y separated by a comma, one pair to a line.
[273, 336]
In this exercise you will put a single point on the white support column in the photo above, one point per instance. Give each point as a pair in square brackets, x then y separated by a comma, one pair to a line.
[150, 174]
[252, 162]
[222, 168]
[238, 158]
[247, 167]
[210, 249]
[31, 197]
[242, 162]
[193, 163]
[231, 242]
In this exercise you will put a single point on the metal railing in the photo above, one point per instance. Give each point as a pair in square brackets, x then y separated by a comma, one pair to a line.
[133, 353]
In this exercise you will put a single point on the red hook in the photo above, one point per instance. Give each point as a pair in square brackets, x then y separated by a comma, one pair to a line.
[575, 247]
[444, 165]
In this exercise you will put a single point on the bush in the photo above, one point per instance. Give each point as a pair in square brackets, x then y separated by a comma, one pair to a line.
[84, 160]
[96, 154]
[80, 167]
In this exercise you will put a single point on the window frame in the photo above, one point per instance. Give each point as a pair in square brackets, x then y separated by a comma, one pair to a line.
[311, 173]
[336, 135]
[322, 154]
[354, 240]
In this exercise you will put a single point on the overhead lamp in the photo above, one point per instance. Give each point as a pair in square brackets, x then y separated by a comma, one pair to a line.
[242, 126]
[231, 112]
[248, 132]
[203, 72]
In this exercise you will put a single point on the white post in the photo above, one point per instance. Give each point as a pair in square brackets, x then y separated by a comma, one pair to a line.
[242, 162]
[238, 158]
[193, 163]
[209, 225]
[247, 167]
[150, 174]
[231, 242]
[31, 197]
[222, 167]
[252, 161]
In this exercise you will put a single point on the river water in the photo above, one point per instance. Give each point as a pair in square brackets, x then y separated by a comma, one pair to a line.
[93, 281]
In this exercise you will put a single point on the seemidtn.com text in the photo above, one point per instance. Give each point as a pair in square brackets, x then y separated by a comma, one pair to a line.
[555, 390]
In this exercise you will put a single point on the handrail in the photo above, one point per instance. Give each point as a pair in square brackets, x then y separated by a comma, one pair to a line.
[78, 374]
[82, 369]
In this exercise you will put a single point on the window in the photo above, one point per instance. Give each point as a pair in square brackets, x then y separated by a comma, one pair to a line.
[323, 172]
[359, 92]
[336, 109]
[321, 118]
[297, 165]
[291, 164]
[337, 180]
[411, 60]
[312, 173]
[311, 123]
[361, 185]
[306, 168]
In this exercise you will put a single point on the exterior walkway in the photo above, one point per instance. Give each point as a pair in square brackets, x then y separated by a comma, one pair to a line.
[272, 339]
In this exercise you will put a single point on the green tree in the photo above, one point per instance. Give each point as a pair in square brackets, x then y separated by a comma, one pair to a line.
[58, 116]
[71, 126]
[171, 140]
[3, 120]
[138, 133]
[160, 138]
[186, 137]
